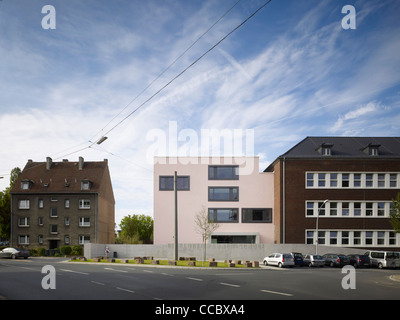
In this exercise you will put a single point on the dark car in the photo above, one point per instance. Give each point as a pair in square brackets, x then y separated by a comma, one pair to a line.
[14, 253]
[359, 260]
[298, 259]
[335, 260]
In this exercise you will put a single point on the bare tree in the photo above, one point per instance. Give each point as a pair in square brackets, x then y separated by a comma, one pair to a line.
[205, 226]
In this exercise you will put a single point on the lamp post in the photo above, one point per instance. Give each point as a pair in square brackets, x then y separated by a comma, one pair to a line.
[319, 209]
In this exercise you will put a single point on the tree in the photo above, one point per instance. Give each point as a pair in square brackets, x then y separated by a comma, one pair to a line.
[205, 226]
[5, 205]
[395, 213]
[137, 229]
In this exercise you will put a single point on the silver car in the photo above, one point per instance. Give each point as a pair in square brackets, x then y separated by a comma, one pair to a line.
[313, 260]
[279, 259]
[14, 253]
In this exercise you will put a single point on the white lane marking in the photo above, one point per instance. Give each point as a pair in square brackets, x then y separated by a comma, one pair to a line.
[195, 279]
[275, 292]
[99, 283]
[167, 274]
[126, 290]
[111, 269]
[148, 271]
[72, 271]
[230, 285]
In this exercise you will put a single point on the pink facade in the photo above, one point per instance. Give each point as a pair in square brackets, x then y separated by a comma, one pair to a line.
[231, 190]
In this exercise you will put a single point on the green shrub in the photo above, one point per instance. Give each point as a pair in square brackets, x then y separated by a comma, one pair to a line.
[77, 250]
[65, 250]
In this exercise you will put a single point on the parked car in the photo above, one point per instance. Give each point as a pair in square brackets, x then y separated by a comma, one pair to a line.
[382, 259]
[14, 253]
[335, 260]
[359, 260]
[313, 260]
[279, 259]
[298, 259]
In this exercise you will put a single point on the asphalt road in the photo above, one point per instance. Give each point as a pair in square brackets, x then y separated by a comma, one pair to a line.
[23, 279]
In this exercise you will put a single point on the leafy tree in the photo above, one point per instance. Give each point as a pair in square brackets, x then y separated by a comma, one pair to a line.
[137, 229]
[395, 214]
[5, 205]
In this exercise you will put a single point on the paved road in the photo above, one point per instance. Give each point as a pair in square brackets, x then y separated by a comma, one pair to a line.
[22, 279]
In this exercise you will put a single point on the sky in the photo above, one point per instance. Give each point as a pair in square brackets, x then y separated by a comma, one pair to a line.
[156, 79]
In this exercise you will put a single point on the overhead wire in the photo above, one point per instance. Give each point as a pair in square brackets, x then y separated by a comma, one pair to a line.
[177, 76]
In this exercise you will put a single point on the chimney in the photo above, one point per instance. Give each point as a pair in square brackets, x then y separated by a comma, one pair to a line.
[81, 163]
[49, 162]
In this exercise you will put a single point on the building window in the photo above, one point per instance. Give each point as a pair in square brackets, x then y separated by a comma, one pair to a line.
[310, 180]
[53, 229]
[345, 237]
[223, 194]
[40, 221]
[310, 237]
[393, 180]
[345, 209]
[223, 172]
[321, 237]
[257, 215]
[357, 209]
[167, 183]
[23, 222]
[381, 238]
[345, 180]
[84, 204]
[23, 204]
[310, 208]
[332, 208]
[381, 180]
[321, 180]
[369, 209]
[84, 222]
[85, 185]
[357, 237]
[357, 180]
[53, 213]
[369, 237]
[84, 239]
[66, 220]
[66, 203]
[67, 240]
[223, 215]
[333, 180]
[333, 236]
[23, 239]
[392, 238]
[26, 184]
[40, 239]
[233, 239]
[369, 180]
[41, 203]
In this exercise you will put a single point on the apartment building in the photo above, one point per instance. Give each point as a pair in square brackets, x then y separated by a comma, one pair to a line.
[62, 203]
[231, 189]
[359, 176]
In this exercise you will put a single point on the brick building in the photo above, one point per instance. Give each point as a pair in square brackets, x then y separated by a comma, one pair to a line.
[358, 175]
[62, 203]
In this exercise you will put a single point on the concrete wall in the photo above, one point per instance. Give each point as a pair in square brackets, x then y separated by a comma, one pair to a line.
[217, 251]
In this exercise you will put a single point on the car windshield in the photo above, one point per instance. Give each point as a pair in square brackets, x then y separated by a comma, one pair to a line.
[297, 255]
[317, 257]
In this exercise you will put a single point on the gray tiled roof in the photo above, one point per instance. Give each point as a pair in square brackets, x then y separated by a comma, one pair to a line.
[346, 147]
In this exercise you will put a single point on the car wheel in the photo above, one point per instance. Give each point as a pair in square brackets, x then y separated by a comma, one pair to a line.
[380, 265]
[280, 265]
[310, 264]
[331, 265]
[265, 263]
[13, 256]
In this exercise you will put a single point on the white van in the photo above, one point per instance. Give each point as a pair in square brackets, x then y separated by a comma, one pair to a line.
[382, 259]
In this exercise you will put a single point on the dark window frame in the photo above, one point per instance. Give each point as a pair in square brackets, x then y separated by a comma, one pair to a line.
[170, 186]
[268, 213]
[231, 194]
[213, 172]
[215, 215]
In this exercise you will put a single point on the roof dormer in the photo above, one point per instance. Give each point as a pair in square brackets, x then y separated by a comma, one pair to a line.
[371, 149]
[325, 149]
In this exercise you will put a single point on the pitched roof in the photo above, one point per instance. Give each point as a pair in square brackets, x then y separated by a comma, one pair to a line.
[344, 147]
[62, 177]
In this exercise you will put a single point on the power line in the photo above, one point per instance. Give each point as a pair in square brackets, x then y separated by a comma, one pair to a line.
[166, 69]
[188, 67]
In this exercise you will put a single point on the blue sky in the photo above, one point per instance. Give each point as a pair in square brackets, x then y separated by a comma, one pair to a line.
[291, 71]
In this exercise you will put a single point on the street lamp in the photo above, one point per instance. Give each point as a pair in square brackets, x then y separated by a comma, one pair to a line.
[319, 209]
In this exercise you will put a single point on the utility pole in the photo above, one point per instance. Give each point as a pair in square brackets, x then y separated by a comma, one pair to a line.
[176, 215]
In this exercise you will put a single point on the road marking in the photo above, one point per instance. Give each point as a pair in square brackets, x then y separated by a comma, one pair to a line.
[230, 285]
[72, 271]
[195, 279]
[148, 271]
[111, 269]
[167, 274]
[126, 290]
[99, 283]
[275, 292]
